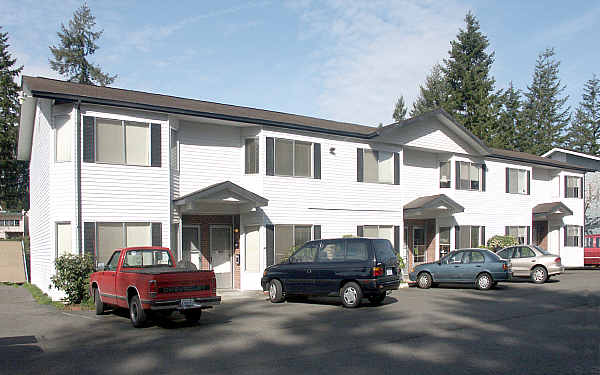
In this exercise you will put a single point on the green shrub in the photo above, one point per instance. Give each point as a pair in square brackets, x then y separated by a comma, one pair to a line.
[498, 242]
[72, 277]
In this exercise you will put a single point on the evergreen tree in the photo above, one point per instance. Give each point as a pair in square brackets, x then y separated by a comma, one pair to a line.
[545, 117]
[506, 129]
[584, 132]
[77, 43]
[433, 94]
[470, 88]
[13, 174]
[399, 110]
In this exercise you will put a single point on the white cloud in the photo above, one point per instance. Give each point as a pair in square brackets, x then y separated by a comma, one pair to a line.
[375, 51]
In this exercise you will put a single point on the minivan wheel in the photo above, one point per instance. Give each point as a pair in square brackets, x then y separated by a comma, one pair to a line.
[377, 299]
[424, 281]
[351, 294]
[276, 291]
[484, 282]
[539, 275]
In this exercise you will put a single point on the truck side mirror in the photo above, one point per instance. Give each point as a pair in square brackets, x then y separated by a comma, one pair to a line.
[100, 267]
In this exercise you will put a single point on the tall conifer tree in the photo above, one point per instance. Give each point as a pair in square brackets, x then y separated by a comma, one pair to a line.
[433, 94]
[545, 116]
[76, 43]
[584, 131]
[506, 129]
[399, 110]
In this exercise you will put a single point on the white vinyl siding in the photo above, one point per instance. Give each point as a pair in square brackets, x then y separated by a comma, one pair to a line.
[64, 243]
[64, 137]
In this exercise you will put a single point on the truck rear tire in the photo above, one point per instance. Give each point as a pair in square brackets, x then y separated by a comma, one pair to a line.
[136, 312]
[98, 302]
[192, 316]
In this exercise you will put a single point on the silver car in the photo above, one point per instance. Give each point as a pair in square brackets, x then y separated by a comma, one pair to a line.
[532, 261]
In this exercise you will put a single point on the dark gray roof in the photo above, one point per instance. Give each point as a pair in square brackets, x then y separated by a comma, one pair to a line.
[530, 158]
[56, 89]
[433, 201]
[226, 186]
[552, 207]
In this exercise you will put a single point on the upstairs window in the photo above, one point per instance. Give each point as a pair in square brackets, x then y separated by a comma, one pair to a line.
[292, 158]
[573, 187]
[64, 137]
[251, 153]
[445, 175]
[174, 150]
[381, 167]
[517, 181]
[468, 176]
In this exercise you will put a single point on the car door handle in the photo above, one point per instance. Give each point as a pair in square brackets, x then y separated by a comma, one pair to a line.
[456, 266]
[478, 266]
[533, 261]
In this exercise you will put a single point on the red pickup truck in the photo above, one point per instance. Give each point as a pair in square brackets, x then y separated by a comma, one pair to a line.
[144, 279]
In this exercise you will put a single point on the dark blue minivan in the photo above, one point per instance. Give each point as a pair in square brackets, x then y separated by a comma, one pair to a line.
[351, 268]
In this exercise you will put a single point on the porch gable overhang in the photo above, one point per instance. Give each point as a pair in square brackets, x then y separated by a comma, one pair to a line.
[226, 193]
[432, 206]
[552, 208]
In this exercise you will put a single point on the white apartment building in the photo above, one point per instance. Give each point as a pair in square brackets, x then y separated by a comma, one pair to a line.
[234, 188]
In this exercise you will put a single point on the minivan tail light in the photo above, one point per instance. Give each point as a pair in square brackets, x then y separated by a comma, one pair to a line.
[377, 271]
[152, 288]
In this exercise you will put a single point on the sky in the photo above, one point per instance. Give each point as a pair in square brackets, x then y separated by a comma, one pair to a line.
[340, 60]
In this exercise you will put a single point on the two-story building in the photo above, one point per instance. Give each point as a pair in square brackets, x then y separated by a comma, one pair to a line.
[235, 189]
[12, 224]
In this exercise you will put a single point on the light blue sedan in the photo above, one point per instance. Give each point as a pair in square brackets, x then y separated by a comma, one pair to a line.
[479, 266]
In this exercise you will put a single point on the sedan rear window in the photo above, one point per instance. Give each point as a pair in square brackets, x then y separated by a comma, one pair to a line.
[383, 250]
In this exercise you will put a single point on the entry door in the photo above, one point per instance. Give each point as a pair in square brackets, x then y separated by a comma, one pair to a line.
[221, 250]
[191, 245]
[540, 234]
[418, 249]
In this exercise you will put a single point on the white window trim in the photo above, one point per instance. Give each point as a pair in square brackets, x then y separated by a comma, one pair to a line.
[124, 150]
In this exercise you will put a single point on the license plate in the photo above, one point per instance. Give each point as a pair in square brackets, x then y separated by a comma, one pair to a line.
[389, 272]
[187, 302]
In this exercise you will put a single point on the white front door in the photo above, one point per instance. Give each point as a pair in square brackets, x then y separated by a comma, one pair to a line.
[221, 250]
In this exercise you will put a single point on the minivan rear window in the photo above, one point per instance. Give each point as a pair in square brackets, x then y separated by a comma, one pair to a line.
[357, 249]
[383, 250]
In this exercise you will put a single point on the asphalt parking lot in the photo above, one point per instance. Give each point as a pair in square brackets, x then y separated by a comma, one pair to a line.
[519, 328]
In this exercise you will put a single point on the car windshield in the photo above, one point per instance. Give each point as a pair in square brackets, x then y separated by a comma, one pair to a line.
[383, 250]
[144, 258]
[541, 250]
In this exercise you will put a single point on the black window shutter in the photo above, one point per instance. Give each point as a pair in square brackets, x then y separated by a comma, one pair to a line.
[457, 164]
[456, 236]
[506, 231]
[528, 182]
[581, 189]
[270, 244]
[566, 195]
[359, 165]
[156, 234]
[155, 145]
[359, 231]
[581, 236]
[317, 160]
[483, 242]
[89, 239]
[270, 156]
[528, 235]
[88, 140]
[316, 232]
[507, 182]
[483, 170]
[565, 230]
[396, 169]
[397, 238]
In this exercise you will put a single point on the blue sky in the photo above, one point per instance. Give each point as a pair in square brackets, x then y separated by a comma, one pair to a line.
[341, 60]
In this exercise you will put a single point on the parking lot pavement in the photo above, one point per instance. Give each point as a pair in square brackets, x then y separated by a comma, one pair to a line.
[519, 328]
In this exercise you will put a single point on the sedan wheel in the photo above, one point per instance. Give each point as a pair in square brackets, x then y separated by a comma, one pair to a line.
[539, 275]
[424, 281]
[484, 282]
[276, 291]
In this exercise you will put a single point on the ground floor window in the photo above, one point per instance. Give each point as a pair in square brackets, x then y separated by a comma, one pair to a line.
[252, 249]
[379, 231]
[444, 241]
[469, 236]
[64, 242]
[419, 247]
[288, 238]
[521, 233]
[111, 236]
[573, 235]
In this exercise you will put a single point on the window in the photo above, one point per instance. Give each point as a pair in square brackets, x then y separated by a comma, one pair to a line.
[520, 233]
[64, 241]
[111, 236]
[523, 252]
[122, 142]
[444, 241]
[597, 242]
[506, 253]
[113, 262]
[468, 175]
[379, 231]
[378, 166]
[454, 258]
[573, 235]
[288, 238]
[469, 236]
[573, 187]
[383, 250]
[144, 258]
[472, 257]
[292, 158]
[332, 251]
[251, 151]
[518, 181]
[64, 137]
[357, 249]
[445, 174]
[306, 254]
[174, 150]
[138, 234]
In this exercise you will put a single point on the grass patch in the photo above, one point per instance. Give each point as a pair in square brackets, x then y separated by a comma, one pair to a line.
[43, 299]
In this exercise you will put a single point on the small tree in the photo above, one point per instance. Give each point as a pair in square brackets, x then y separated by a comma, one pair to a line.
[400, 110]
[72, 276]
[77, 43]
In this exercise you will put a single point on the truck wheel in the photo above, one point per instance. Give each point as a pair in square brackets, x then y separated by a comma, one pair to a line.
[98, 302]
[136, 312]
[192, 316]
[275, 291]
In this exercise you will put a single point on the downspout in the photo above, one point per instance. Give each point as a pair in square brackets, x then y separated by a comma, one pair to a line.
[78, 179]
